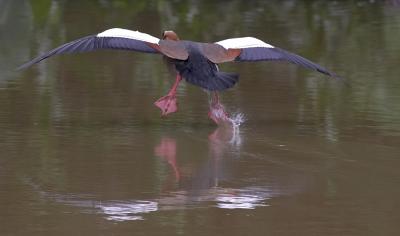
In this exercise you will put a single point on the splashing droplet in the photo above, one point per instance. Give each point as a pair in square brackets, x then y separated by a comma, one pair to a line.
[237, 119]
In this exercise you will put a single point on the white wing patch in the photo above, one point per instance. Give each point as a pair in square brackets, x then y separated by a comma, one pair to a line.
[245, 42]
[129, 34]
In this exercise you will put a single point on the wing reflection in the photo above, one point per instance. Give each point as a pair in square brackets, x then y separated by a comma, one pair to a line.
[122, 211]
[240, 202]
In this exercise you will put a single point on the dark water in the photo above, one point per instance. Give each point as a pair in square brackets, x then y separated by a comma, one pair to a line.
[85, 152]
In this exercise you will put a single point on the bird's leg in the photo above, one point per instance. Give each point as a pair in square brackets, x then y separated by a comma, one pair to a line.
[217, 111]
[167, 104]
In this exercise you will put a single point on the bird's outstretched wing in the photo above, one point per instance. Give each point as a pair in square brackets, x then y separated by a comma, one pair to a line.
[253, 49]
[110, 39]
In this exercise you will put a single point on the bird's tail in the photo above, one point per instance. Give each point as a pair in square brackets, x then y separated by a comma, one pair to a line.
[226, 80]
[217, 82]
[222, 81]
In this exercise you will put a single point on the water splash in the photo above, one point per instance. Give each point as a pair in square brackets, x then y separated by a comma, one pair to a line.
[219, 115]
[237, 119]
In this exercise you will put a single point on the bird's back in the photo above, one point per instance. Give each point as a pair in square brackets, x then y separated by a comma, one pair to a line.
[200, 71]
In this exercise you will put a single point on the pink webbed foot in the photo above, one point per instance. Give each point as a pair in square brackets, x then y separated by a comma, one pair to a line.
[218, 114]
[217, 111]
[167, 104]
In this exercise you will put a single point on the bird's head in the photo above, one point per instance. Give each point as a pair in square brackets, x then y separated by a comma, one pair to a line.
[170, 35]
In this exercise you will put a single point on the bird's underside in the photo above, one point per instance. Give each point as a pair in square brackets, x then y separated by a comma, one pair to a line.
[194, 61]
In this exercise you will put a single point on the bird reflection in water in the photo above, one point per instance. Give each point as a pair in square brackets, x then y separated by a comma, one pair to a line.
[222, 138]
[167, 151]
[203, 184]
[203, 188]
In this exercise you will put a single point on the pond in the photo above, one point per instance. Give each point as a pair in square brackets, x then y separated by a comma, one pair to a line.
[85, 152]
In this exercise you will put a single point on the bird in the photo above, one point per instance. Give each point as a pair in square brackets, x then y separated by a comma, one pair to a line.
[194, 62]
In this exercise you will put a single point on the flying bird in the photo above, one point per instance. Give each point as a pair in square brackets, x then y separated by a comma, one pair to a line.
[195, 62]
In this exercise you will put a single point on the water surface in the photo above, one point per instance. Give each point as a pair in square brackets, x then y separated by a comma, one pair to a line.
[85, 152]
